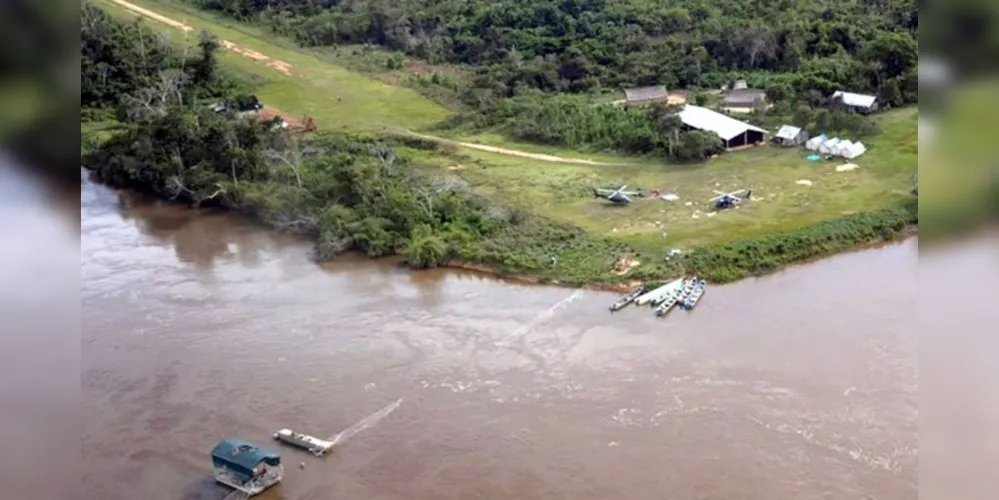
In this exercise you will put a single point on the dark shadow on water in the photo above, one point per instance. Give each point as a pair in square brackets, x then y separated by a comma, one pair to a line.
[205, 488]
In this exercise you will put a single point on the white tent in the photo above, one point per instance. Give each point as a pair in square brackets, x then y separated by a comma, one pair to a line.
[827, 147]
[856, 149]
[816, 141]
[840, 147]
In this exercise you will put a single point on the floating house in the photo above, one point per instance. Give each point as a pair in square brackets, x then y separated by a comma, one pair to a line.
[245, 466]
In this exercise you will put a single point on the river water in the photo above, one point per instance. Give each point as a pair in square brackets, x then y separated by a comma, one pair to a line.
[800, 385]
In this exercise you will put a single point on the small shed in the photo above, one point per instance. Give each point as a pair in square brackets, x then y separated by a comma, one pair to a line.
[739, 85]
[814, 143]
[744, 98]
[861, 103]
[789, 135]
[645, 95]
[827, 147]
[245, 466]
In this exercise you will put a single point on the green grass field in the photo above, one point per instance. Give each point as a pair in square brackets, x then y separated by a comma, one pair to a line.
[779, 202]
[339, 98]
[334, 96]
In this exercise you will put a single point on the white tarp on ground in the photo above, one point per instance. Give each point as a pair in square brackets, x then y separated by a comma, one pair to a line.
[840, 147]
[856, 149]
[816, 141]
[827, 147]
[712, 121]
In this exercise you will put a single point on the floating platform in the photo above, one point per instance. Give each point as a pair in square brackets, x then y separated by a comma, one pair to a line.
[246, 467]
[316, 446]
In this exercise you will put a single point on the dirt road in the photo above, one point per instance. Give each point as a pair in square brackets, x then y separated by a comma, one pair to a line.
[280, 66]
[286, 68]
[511, 152]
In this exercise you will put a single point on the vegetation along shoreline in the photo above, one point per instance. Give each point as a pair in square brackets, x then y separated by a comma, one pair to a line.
[392, 149]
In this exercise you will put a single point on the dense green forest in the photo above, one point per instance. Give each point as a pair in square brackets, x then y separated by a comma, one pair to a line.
[584, 45]
[526, 59]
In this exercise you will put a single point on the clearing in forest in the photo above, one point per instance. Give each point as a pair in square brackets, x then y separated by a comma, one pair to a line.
[295, 80]
[333, 96]
[564, 191]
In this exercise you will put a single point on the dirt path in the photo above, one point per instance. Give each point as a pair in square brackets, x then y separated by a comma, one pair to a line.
[285, 68]
[280, 66]
[512, 152]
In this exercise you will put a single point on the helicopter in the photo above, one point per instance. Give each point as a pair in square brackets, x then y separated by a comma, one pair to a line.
[617, 195]
[729, 200]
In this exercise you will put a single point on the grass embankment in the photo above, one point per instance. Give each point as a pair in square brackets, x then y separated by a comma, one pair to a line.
[958, 167]
[784, 223]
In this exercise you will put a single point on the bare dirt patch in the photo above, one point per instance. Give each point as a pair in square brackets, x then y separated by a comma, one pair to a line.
[280, 66]
[624, 265]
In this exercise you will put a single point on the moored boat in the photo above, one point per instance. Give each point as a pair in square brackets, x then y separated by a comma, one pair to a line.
[659, 292]
[688, 286]
[668, 304]
[627, 299]
[695, 295]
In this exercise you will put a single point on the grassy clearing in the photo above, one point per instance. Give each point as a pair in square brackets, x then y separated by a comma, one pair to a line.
[779, 203]
[334, 96]
[958, 168]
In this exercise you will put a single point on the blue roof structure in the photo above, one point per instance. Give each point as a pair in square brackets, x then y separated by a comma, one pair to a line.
[241, 457]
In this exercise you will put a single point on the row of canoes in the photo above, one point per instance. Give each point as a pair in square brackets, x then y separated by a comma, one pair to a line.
[683, 292]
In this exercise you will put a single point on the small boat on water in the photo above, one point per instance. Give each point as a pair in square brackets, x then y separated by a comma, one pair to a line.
[695, 295]
[688, 287]
[627, 299]
[659, 292]
[316, 446]
[668, 304]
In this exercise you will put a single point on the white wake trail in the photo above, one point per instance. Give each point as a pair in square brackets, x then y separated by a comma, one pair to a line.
[547, 314]
[364, 423]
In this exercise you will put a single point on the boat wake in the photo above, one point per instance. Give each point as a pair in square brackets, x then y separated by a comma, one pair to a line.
[364, 423]
[547, 314]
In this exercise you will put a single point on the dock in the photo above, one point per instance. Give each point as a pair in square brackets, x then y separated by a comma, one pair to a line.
[314, 445]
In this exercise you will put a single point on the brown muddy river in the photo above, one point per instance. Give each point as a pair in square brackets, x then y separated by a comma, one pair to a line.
[801, 385]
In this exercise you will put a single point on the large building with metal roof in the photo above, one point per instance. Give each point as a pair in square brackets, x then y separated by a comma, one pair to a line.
[860, 103]
[733, 132]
